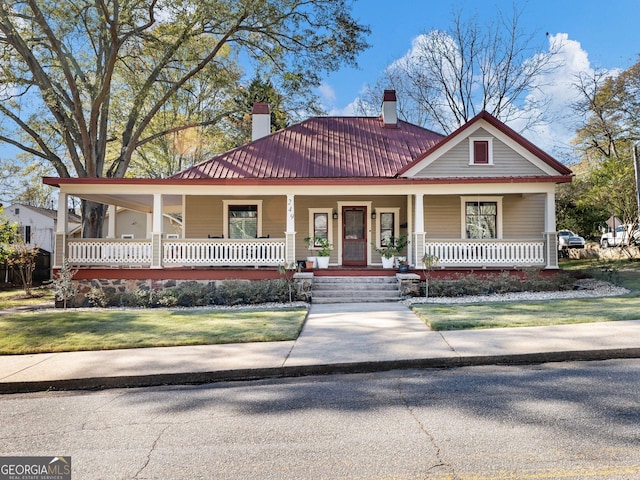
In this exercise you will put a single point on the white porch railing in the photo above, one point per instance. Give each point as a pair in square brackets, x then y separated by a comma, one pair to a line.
[200, 252]
[89, 251]
[504, 253]
[224, 252]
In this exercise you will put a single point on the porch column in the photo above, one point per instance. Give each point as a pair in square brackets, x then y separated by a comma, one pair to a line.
[410, 229]
[550, 234]
[418, 224]
[156, 232]
[111, 227]
[149, 221]
[62, 226]
[290, 234]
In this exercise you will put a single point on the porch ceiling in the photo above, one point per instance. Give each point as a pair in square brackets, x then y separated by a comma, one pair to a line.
[140, 203]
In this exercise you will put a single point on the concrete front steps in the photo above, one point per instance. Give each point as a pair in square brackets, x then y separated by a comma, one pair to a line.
[358, 289]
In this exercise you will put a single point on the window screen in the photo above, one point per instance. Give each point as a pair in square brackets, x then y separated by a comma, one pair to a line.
[243, 221]
[320, 227]
[387, 228]
[481, 219]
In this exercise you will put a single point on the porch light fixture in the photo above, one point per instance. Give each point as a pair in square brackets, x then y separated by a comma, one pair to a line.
[335, 215]
[373, 215]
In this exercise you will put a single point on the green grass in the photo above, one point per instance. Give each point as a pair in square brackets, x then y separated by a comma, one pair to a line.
[528, 314]
[69, 330]
[16, 298]
[549, 312]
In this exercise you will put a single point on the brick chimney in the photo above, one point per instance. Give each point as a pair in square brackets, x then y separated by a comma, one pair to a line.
[260, 121]
[389, 109]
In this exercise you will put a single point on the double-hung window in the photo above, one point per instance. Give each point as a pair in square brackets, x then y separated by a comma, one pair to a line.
[320, 225]
[388, 228]
[242, 219]
[482, 217]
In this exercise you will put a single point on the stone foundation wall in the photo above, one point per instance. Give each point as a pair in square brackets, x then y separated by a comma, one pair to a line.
[118, 286]
[611, 253]
[121, 286]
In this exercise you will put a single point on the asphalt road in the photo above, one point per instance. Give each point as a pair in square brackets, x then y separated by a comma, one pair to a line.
[565, 420]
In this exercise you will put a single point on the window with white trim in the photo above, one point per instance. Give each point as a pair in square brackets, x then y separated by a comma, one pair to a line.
[320, 225]
[387, 225]
[242, 219]
[480, 151]
[482, 217]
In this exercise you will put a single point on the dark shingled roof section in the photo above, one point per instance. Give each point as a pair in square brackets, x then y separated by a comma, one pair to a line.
[47, 212]
[322, 147]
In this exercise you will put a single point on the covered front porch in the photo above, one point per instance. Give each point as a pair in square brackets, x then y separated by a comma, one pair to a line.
[131, 253]
[429, 215]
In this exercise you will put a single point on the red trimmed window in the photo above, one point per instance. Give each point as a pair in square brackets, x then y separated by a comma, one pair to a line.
[481, 152]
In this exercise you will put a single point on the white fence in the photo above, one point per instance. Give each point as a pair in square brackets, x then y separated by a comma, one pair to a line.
[204, 252]
[109, 252]
[504, 253]
[258, 252]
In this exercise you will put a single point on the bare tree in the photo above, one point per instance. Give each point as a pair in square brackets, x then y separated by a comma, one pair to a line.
[450, 76]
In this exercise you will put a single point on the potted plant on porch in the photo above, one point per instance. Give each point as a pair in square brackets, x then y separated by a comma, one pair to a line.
[389, 251]
[324, 250]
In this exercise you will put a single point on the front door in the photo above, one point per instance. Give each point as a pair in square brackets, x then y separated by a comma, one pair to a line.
[354, 236]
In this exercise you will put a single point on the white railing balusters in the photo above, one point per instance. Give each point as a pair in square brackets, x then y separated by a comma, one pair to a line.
[271, 252]
[258, 252]
[486, 252]
[109, 252]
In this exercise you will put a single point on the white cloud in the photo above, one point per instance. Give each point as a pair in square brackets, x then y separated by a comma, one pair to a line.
[558, 86]
[327, 93]
[348, 111]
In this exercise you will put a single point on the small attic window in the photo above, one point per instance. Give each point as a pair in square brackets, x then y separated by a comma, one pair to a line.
[480, 151]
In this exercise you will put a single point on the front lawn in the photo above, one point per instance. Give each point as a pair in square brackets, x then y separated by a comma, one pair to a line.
[528, 313]
[548, 312]
[16, 298]
[95, 329]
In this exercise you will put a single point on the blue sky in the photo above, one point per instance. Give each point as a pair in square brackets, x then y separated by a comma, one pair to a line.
[597, 34]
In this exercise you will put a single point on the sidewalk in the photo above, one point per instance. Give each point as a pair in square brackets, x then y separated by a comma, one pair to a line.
[335, 339]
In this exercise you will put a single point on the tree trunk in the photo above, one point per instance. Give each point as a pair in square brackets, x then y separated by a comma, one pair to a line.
[92, 219]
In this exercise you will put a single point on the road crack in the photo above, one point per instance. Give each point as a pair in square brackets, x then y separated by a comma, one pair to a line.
[440, 462]
[151, 450]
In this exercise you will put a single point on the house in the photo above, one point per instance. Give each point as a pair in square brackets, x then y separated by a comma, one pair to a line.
[482, 197]
[36, 227]
[130, 224]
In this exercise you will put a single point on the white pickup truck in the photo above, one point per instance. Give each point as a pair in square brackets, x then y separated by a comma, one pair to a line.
[623, 235]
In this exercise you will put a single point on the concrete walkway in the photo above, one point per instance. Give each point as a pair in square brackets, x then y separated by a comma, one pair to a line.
[335, 338]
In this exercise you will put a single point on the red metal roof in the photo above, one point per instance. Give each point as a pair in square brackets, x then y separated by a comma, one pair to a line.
[322, 147]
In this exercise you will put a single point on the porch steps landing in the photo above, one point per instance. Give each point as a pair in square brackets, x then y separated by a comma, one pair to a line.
[360, 289]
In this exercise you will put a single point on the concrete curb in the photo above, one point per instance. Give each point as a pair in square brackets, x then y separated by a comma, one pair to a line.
[200, 378]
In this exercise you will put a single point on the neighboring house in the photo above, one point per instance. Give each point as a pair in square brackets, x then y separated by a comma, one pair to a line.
[130, 224]
[481, 197]
[37, 227]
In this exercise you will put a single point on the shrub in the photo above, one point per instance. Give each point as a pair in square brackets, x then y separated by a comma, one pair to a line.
[97, 297]
[194, 294]
[505, 282]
